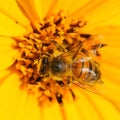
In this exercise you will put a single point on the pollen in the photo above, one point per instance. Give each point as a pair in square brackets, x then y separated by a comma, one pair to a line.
[44, 69]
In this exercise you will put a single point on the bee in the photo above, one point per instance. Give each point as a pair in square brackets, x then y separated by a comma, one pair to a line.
[61, 66]
[71, 66]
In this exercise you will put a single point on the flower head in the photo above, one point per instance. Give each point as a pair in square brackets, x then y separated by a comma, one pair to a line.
[56, 59]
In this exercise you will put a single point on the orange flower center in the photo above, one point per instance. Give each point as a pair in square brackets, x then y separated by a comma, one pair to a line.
[56, 55]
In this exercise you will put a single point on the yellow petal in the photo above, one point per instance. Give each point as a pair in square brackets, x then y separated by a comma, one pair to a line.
[71, 112]
[57, 5]
[110, 53]
[4, 75]
[104, 108]
[39, 8]
[54, 108]
[9, 98]
[95, 106]
[28, 8]
[8, 27]
[7, 53]
[84, 106]
[27, 108]
[98, 13]
[7, 58]
[102, 14]
[12, 10]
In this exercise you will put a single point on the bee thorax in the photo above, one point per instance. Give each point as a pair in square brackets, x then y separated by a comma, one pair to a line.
[58, 66]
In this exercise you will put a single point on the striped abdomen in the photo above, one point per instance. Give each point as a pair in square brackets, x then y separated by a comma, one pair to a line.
[86, 70]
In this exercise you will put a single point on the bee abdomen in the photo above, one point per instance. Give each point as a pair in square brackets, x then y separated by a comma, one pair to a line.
[86, 71]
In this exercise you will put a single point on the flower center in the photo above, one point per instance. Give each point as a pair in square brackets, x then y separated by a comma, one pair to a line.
[56, 55]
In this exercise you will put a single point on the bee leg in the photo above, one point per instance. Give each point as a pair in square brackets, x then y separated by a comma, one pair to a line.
[59, 98]
[61, 83]
[72, 93]
[68, 80]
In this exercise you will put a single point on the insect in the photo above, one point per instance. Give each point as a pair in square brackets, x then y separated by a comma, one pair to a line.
[71, 66]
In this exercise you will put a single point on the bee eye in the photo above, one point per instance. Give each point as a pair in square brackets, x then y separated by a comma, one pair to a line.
[44, 66]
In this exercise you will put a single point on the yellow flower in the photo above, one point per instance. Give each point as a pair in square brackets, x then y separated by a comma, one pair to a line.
[18, 19]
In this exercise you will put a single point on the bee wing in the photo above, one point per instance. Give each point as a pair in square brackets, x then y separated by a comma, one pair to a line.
[92, 44]
[95, 41]
[74, 52]
[71, 51]
[91, 88]
[86, 47]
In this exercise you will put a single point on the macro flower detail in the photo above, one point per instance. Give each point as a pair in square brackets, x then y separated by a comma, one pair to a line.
[56, 54]
[57, 58]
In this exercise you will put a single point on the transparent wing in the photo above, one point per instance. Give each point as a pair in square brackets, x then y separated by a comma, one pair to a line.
[94, 88]
[74, 51]
[88, 46]
[92, 45]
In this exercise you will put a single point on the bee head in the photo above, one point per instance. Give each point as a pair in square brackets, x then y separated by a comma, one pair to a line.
[44, 66]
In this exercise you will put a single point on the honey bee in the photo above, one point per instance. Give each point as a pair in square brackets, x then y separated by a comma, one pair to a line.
[71, 66]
